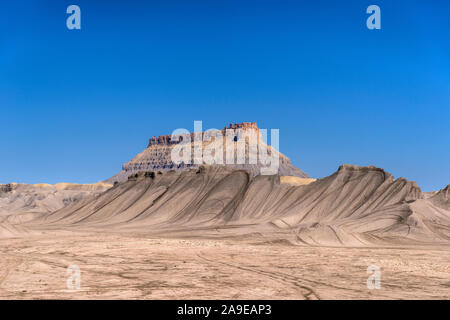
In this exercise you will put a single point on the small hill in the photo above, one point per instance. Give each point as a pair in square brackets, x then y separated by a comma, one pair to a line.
[26, 199]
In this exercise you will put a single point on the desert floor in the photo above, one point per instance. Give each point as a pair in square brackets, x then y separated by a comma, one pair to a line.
[115, 266]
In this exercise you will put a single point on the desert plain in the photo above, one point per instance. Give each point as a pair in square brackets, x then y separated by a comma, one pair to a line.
[117, 266]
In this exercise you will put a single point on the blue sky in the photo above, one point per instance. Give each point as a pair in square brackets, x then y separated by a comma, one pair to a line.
[76, 104]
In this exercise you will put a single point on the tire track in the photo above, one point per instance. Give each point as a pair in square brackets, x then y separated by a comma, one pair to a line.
[6, 270]
[306, 292]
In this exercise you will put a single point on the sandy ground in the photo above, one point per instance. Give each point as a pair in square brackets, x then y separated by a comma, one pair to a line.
[115, 266]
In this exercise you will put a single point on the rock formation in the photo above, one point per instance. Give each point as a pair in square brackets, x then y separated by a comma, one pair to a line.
[157, 155]
[442, 198]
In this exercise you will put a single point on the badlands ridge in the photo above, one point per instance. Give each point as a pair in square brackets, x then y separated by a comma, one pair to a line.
[355, 206]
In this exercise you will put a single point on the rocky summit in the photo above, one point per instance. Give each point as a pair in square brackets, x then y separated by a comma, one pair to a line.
[158, 154]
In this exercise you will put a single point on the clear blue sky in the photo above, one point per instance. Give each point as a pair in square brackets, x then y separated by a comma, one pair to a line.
[75, 105]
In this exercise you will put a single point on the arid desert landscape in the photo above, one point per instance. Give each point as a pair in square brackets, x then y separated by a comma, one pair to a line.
[241, 153]
[117, 266]
[224, 232]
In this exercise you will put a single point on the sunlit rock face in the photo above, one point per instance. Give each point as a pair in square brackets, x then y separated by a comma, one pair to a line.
[158, 154]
